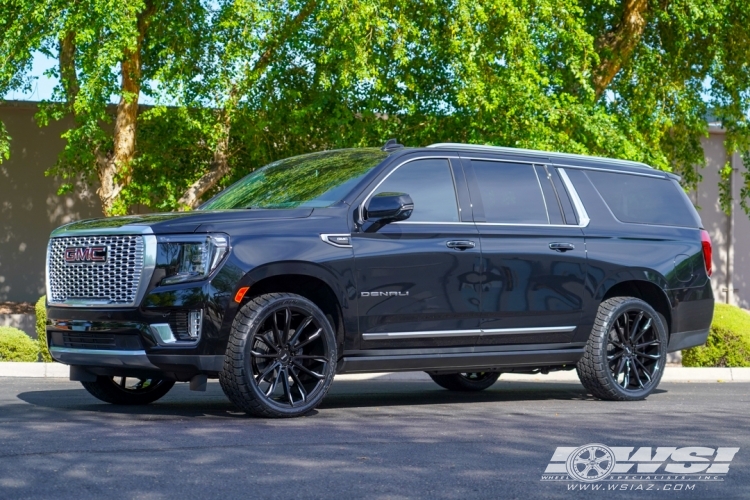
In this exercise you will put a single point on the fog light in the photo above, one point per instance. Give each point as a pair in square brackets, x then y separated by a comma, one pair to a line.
[195, 321]
[163, 333]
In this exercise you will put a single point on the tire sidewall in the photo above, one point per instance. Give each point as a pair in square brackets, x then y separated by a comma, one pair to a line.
[633, 304]
[246, 332]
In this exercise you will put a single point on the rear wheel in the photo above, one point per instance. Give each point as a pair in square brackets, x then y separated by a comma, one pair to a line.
[626, 353]
[128, 390]
[465, 382]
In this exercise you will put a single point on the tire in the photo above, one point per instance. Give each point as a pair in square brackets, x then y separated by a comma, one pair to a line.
[138, 392]
[465, 382]
[626, 353]
[281, 356]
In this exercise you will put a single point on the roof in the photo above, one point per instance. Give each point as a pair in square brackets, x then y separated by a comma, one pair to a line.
[551, 155]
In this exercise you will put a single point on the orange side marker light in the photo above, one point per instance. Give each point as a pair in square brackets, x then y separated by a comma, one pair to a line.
[241, 294]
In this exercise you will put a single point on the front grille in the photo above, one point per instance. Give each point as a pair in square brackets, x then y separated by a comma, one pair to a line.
[114, 282]
[95, 340]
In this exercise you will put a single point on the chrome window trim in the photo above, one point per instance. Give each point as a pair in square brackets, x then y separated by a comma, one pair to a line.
[466, 333]
[583, 216]
[541, 191]
[623, 172]
[444, 157]
[149, 265]
[325, 239]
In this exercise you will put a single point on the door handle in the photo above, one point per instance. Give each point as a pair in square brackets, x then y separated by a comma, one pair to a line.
[561, 247]
[460, 245]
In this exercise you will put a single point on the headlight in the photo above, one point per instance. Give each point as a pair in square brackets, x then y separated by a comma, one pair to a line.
[189, 258]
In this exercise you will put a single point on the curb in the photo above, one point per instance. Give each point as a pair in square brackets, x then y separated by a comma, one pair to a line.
[671, 374]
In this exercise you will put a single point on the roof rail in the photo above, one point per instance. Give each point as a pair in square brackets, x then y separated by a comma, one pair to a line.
[503, 149]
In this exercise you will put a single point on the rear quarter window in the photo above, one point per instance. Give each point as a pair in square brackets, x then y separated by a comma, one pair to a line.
[645, 200]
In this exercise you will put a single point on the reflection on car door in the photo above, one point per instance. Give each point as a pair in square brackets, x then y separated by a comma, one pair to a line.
[417, 280]
[533, 253]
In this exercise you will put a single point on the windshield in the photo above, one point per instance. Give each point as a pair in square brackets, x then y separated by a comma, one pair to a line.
[310, 181]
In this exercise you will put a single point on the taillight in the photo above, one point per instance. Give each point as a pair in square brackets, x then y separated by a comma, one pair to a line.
[706, 242]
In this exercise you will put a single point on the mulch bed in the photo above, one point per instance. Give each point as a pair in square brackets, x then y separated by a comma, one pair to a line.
[16, 308]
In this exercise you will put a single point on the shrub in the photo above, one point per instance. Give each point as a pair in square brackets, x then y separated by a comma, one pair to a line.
[15, 345]
[41, 329]
[728, 343]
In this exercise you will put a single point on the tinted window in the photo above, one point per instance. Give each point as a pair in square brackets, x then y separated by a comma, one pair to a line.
[554, 209]
[313, 180]
[645, 200]
[510, 193]
[430, 185]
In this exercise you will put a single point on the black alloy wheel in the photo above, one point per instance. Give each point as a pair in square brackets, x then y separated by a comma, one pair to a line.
[281, 358]
[466, 381]
[626, 353]
[128, 390]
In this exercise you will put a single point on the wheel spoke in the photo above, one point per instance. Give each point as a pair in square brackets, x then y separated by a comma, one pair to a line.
[319, 376]
[259, 355]
[645, 328]
[298, 384]
[272, 387]
[634, 326]
[309, 339]
[645, 344]
[285, 385]
[644, 370]
[265, 373]
[264, 337]
[276, 332]
[649, 356]
[316, 358]
[305, 323]
[626, 380]
[620, 368]
[614, 356]
[287, 325]
[637, 375]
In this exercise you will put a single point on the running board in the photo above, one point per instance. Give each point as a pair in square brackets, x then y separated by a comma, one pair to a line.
[481, 361]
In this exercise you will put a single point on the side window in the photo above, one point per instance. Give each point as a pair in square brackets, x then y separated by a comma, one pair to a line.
[511, 192]
[430, 185]
[645, 200]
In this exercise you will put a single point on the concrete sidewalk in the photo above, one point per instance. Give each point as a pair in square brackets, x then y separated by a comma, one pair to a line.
[672, 374]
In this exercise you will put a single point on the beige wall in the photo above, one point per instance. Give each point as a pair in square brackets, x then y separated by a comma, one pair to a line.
[717, 223]
[29, 206]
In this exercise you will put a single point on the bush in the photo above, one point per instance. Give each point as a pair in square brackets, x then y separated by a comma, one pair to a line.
[728, 343]
[41, 329]
[15, 345]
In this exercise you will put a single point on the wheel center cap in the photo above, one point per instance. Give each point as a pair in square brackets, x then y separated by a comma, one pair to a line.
[284, 358]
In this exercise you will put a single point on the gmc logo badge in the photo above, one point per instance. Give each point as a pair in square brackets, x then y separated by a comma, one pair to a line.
[85, 254]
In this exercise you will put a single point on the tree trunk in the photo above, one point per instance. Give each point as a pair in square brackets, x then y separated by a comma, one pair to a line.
[219, 168]
[616, 46]
[68, 76]
[114, 168]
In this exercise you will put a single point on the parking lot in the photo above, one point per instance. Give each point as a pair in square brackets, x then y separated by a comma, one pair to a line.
[369, 439]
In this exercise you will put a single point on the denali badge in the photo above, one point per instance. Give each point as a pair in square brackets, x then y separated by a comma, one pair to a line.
[85, 254]
[385, 294]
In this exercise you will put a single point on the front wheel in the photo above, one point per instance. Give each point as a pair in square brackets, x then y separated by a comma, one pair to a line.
[625, 355]
[128, 390]
[465, 382]
[281, 356]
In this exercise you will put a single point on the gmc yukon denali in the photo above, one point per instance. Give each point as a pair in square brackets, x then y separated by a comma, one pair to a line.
[461, 261]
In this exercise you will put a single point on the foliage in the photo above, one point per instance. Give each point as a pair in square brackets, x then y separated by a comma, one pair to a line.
[728, 343]
[15, 345]
[243, 83]
[41, 329]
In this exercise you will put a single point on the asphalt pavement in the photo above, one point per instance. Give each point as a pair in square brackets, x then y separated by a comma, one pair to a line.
[369, 439]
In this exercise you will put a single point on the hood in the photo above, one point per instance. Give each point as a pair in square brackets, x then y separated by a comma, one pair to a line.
[175, 222]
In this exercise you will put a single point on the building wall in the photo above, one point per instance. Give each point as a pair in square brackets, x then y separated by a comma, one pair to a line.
[717, 224]
[29, 206]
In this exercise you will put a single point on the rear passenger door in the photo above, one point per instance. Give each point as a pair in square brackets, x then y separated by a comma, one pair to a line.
[533, 253]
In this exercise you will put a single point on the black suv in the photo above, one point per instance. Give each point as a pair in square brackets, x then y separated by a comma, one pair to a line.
[461, 261]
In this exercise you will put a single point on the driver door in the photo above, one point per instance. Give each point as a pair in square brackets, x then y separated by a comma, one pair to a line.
[417, 280]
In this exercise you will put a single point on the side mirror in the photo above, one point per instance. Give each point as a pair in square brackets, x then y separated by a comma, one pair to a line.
[389, 207]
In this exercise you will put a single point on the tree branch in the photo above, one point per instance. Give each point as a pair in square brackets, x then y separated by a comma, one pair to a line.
[616, 46]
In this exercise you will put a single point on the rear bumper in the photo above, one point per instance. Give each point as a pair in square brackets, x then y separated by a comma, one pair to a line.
[684, 340]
